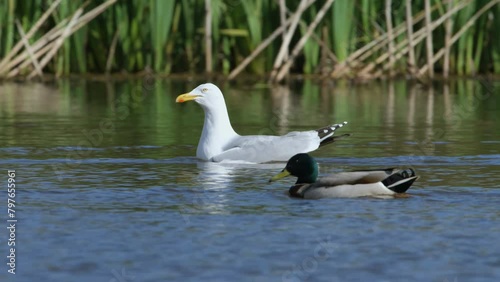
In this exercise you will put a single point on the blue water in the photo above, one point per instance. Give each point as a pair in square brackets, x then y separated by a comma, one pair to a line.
[139, 206]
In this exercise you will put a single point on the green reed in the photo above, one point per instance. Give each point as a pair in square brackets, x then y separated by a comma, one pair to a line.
[495, 46]
[342, 23]
[167, 36]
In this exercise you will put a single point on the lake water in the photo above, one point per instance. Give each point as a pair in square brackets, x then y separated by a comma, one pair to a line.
[108, 188]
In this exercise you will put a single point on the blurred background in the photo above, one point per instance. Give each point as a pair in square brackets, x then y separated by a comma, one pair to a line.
[108, 185]
[353, 39]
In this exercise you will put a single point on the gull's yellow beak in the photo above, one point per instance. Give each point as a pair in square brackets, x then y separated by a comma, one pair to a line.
[283, 173]
[186, 97]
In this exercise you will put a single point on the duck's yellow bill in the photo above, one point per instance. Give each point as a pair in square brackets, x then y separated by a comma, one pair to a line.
[280, 175]
[185, 97]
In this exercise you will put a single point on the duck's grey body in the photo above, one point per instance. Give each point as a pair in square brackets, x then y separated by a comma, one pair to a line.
[381, 182]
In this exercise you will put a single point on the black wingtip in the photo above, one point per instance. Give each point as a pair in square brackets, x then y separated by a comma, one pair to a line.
[400, 181]
[328, 131]
[404, 186]
[333, 139]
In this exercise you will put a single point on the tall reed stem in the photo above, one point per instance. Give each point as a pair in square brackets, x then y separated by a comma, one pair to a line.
[390, 37]
[288, 37]
[298, 48]
[447, 45]
[428, 31]
[409, 33]
[208, 36]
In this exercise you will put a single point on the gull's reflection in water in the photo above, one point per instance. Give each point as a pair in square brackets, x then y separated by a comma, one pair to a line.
[227, 175]
[216, 188]
[215, 176]
[208, 192]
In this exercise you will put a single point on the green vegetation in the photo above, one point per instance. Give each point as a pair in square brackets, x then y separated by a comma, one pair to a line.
[351, 40]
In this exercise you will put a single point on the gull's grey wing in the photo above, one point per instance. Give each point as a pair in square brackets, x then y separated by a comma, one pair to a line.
[266, 148]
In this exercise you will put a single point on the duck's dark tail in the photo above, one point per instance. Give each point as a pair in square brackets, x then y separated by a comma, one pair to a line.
[325, 134]
[400, 181]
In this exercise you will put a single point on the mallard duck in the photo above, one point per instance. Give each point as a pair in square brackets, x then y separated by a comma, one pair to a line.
[219, 141]
[377, 182]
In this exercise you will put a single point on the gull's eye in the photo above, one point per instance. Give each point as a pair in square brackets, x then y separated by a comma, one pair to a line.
[204, 90]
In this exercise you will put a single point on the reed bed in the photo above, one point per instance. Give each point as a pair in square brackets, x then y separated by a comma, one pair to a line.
[332, 38]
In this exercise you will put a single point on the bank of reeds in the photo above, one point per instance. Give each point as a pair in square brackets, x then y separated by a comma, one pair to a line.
[341, 38]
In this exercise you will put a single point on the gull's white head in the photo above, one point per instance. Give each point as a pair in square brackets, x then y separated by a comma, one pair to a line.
[208, 95]
[217, 130]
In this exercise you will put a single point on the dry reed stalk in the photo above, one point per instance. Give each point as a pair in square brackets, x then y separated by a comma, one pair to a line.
[282, 6]
[261, 47]
[111, 54]
[418, 36]
[208, 36]
[288, 37]
[300, 45]
[318, 40]
[421, 34]
[59, 42]
[26, 63]
[22, 58]
[390, 34]
[459, 33]
[324, 55]
[428, 31]
[447, 45]
[409, 32]
[256, 51]
[324, 47]
[369, 49]
[30, 33]
[53, 34]
[26, 44]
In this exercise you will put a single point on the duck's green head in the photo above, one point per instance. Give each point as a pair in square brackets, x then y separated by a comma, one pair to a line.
[303, 166]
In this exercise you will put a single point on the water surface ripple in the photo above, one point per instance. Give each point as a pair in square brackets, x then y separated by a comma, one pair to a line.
[130, 202]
